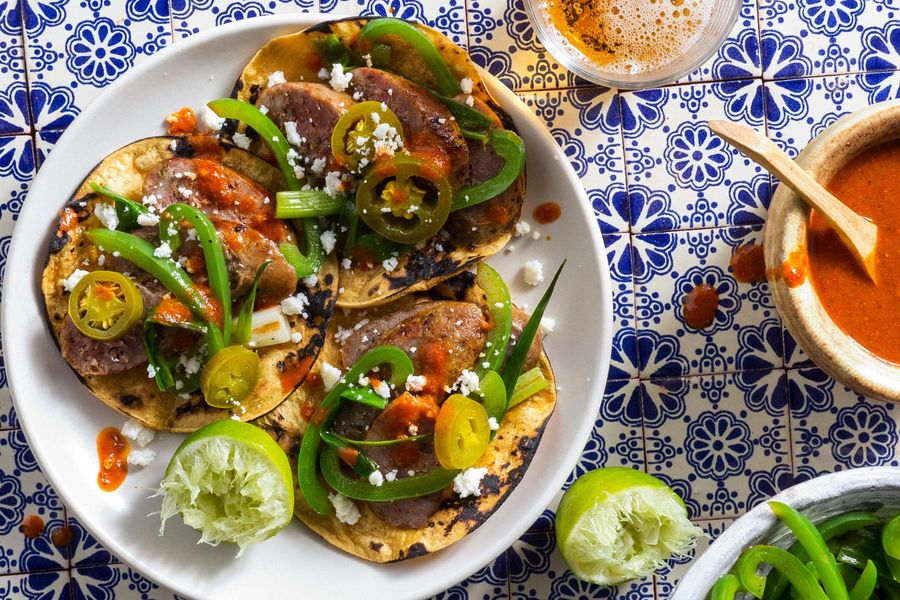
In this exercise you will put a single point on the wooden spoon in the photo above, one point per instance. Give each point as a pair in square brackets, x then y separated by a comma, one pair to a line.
[858, 234]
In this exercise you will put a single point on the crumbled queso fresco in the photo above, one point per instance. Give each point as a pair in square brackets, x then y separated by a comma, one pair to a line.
[330, 375]
[468, 483]
[72, 280]
[344, 508]
[294, 305]
[107, 215]
[276, 77]
[467, 382]
[240, 140]
[328, 239]
[415, 383]
[534, 272]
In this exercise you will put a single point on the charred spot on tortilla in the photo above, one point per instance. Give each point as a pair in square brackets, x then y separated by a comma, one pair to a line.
[376, 546]
[129, 400]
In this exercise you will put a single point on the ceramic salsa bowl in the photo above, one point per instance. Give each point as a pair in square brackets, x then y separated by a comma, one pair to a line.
[802, 312]
[875, 489]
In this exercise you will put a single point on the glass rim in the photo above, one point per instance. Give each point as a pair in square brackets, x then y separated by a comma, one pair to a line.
[575, 61]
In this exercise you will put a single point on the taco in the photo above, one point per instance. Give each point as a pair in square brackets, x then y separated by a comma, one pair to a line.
[136, 303]
[445, 335]
[395, 117]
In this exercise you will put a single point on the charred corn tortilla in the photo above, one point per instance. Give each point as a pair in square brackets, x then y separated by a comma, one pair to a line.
[371, 538]
[131, 392]
[425, 266]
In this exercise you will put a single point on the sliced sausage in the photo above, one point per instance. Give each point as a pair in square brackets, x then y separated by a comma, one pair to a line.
[243, 213]
[95, 357]
[429, 128]
[314, 109]
[498, 215]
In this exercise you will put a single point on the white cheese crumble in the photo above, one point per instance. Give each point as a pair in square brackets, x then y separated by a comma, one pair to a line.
[290, 132]
[296, 337]
[390, 475]
[151, 371]
[311, 280]
[240, 140]
[535, 235]
[210, 120]
[466, 85]
[534, 272]
[382, 389]
[340, 81]
[467, 382]
[318, 166]
[107, 215]
[147, 220]
[328, 239]
[333, 183]
[342, 334]
[294, 305]
[522, 228]
[468, 483]
[376, 478]
[389, 264]
[141, 457]
[264, 109]
[133, 430]
[163, 251]
[330, 375]
[276, 77]
[191, 365]
[415, 383]
[185, 192]
[470, 101]
[344, 508]
[493, 425]
[72, 280]
[547, 324]
[346, 263]
[363, 381]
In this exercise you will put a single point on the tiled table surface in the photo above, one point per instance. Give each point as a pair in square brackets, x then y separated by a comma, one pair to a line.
[728, 416]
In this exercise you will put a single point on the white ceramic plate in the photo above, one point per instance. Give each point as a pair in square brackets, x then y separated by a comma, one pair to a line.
[61, 418]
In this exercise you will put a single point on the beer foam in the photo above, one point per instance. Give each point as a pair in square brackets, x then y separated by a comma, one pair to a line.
[630, 36]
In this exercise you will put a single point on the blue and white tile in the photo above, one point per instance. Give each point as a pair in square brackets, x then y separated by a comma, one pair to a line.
[746, 330]
[193, 16]
[45, 141]
[711, 443]
[502, 40]
[448, 16]
[738, 56]
[25, 492]
[537, 571]
[794, 355]
[835, 429]
[14, 116]
[834, 36]
[16, 172]
[75, 49]
[800, 109]
[624, 359]
[115, 581]
[683, 175]
[585, 124]
[667, 579]
[86, 550]
[8, 419]
[44, 585]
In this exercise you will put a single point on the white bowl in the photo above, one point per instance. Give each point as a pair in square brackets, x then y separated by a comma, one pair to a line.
[875, 489]
[61, 418]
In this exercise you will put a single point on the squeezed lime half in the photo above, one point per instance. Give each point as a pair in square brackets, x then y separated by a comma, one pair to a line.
[231, 482]
[616, 524]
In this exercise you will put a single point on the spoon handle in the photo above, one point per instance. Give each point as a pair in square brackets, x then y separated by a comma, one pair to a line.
[857, 233]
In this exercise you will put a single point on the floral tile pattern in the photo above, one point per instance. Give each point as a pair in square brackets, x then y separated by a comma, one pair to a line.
[727, 415]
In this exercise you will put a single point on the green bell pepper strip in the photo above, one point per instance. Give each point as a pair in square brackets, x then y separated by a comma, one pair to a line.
[836, 526]
[213, 252]
[726, 587]
[169, 274]
[399, 489]
[310, 486]
[499, 308]
[156, 360]
[858, 560]
[229, 108]
[529, 383]
[243, 329]
[300, 204]
[444, 81]
[368, 443]
[511, 149]
[364, 396]
[492, 394]
[332, 50]
[362, 464]
[126, 209]
[890, 537]
[811, 540]
[789, 565]
[516, 360]
[473, 124]
[866, 583]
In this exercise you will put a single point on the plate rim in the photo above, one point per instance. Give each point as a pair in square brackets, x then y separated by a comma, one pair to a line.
[21, 274]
